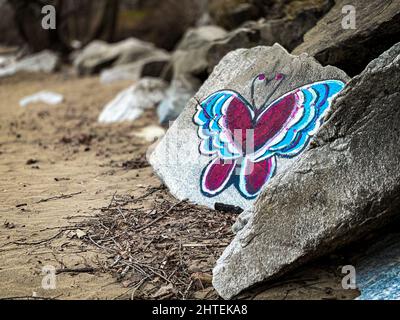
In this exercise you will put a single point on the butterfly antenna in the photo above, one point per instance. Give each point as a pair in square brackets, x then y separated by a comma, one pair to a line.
[197, 101]
[279, 77]
[260, 77]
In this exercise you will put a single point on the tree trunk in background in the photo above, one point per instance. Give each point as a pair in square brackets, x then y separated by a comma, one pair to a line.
[28, 17]
[82, 21]
[109, 21]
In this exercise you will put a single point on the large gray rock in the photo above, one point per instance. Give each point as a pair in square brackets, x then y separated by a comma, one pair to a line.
[377, 29]
[151, 65]
[288, 30]
[231, 14]
[344, 186]
[177, 96]
[189, 60]
[195, 38]
[177, 159]
[189, 68]
[244, 37]
[300, 16]
[99, 55]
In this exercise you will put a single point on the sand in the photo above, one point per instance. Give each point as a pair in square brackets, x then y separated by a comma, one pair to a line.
[48, 151]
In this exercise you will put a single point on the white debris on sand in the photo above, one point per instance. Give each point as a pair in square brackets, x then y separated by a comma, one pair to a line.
[150, 133]
[45, 61]
[47, 97]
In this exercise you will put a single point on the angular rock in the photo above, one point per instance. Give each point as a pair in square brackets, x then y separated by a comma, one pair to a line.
[246, 37]
[189, 68]
[177, 159]
[288, 30]
[377, 29]
[231, 14]
[189, 59]
[341, 188]
[177, 96]
[130, 104]
[300, 16]
[45, 61]
[234, 13]
[99, 55]
[194, 38]
[152, 65]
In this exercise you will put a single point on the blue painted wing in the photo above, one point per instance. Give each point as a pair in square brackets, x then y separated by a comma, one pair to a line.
[315, 99]
[214, 136]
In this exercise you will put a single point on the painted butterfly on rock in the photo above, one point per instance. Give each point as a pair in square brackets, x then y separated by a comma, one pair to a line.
[245, 141]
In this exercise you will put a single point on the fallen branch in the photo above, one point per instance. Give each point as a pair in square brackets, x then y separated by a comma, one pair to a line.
[62, 196]
[77, 270]
[23, 243]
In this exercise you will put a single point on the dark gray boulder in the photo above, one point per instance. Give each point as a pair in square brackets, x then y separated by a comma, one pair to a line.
[232, 14]
[288, 30]
[377, 28]
[345, 185]
[152, 65]
[177, 96]
[189, 61]
[202, 48]
[188, 69]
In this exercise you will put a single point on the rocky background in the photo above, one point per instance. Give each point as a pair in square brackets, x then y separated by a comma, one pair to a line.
[123, 70]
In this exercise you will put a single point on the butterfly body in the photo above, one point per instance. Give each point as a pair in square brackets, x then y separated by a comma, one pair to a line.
[244, 141]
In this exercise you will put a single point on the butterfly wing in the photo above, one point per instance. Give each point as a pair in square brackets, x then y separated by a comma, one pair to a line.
[219, 117]
[308, 105]
[254, 175]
